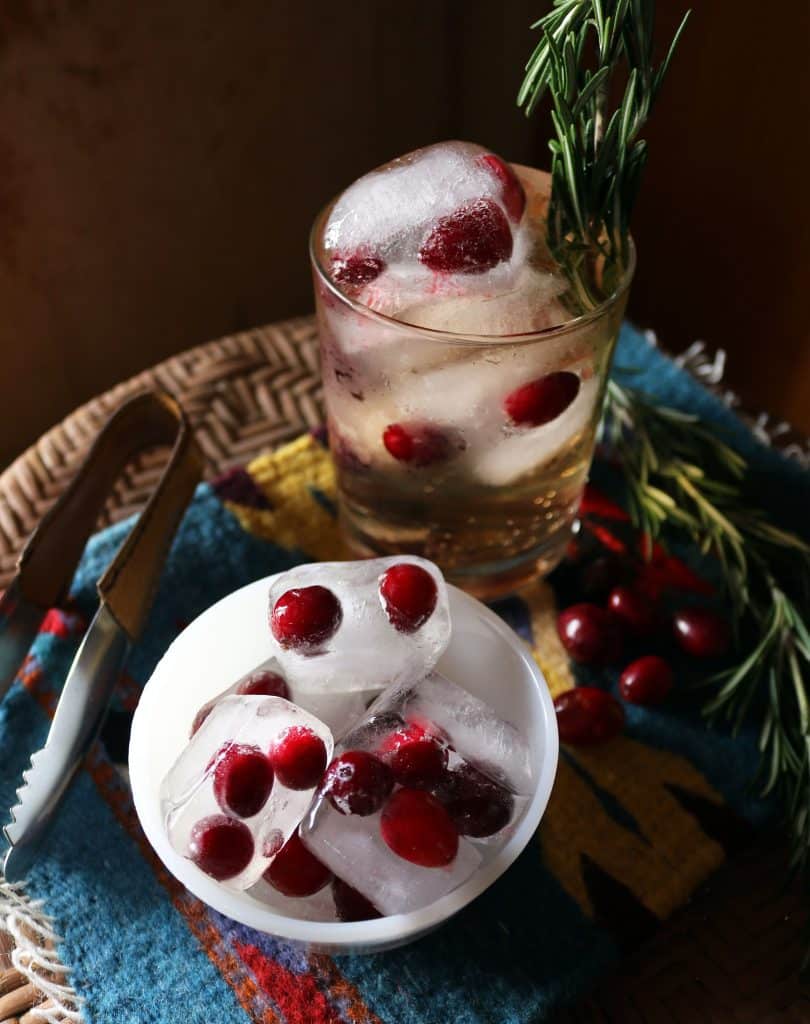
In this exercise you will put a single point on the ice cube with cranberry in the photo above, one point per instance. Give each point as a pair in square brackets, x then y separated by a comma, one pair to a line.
[336, 710]
[421, 793]
[240, 787]
[343, 627]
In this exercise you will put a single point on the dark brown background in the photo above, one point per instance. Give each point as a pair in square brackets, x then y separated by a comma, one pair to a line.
[160, 164]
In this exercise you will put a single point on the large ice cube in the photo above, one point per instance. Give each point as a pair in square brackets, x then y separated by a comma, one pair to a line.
[420, 793]
[242, 785]
[339, 627]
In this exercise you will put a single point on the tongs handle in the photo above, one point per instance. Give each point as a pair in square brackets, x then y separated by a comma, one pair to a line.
[50, 557]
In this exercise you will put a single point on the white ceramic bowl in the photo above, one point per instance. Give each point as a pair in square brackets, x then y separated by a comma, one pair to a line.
[228, 640]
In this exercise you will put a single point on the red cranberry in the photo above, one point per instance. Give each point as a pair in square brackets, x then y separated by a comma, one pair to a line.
[646, 680]
[356, 269]
[478, 806]
[409, 595]
[586, 716]
[357, 783]
[350, 905]
[305, 617]
[264, 684]
[417, 757]
[542, 400]
[295, 871]
[416, 444]
[636, 611]
[243, 778]
[417, 828]
[220, 846]
[514, 198]
[701, 632]
[601, 575]
[474, 238]
[589, 634]
[298, 757]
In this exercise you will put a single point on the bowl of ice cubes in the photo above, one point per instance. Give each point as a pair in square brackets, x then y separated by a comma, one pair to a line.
[343, 755]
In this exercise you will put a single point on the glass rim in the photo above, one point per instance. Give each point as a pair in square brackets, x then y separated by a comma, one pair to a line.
[467, 338]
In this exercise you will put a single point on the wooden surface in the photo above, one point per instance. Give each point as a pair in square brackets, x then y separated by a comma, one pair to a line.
[160, 169]
[730, 957]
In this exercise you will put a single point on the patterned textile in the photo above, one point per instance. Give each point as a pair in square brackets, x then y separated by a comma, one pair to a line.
[632, 827]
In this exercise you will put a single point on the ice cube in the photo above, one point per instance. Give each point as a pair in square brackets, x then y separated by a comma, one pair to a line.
[339, 627]
[419, 794]
[337, 711]
[388, 213]
[242, 784]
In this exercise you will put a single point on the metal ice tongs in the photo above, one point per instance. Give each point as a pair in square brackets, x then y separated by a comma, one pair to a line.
[126, 589]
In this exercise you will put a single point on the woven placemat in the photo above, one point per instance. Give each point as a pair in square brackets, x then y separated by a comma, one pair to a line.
[725, 958]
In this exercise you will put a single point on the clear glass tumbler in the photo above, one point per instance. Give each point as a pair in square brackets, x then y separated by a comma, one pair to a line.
[436, 437]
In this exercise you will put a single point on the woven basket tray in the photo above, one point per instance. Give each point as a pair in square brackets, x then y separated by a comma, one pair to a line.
[723, 958]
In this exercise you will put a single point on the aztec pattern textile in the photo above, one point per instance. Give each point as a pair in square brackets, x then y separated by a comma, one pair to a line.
[632, 827]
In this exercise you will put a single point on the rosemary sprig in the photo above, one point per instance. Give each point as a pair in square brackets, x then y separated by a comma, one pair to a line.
[681, 477]
[586, 48]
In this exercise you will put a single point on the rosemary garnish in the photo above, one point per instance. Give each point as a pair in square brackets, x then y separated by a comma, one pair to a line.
[587, 48]
[680, 476]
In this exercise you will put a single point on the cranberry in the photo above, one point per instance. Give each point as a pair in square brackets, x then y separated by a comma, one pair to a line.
[646, 680]
[409, 594]
[416, 444]
[264, 684]
[701, 632]
[478, 806]
[417, 757]
[589, 634]
[586, 716]
[475, 238]
[350, 905]
[604, 573]
[295, 871]
[542, 400]
[417, 828]
[636, 611]
[305, 618]
[220, 846]
[514, 198]
[357, 783]
[243, 778]
[356, 269]
[298, 757]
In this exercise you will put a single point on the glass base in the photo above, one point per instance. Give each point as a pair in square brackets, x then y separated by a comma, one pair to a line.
[484, 580]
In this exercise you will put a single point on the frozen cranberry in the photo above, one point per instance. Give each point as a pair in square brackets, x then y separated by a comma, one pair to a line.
[350, 905]
[356, 269]
[220, 846]
[295, 871]
[265, 684]
[701, 632]
[590, 634]
[542, 400]
[417, 828]
[478, 806]
[474, 238]
[305, 617]
[417, 757]
[357, 783]
[514, 198]
[243, 778]
[586, 716]
[409, 595]
[298, 757]
[416, 444]
[637, 612]
[646, 680]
